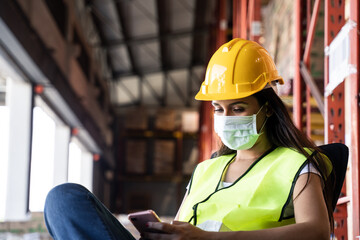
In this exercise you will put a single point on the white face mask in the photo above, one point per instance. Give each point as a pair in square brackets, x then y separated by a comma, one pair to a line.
[237, 132]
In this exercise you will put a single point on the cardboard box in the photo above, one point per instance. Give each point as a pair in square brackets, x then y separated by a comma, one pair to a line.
[136, 156]
[164, 156]
[190, 121]
[136, 118]
[166, 119]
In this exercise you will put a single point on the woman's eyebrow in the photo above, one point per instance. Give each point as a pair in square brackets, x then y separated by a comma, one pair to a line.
[240, 102]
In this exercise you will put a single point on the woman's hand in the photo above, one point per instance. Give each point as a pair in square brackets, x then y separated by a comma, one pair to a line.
[175, 231]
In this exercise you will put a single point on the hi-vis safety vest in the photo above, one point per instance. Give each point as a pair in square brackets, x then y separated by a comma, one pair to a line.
[256, 200]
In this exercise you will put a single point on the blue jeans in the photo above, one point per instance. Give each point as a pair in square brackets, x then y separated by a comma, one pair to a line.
[72, 212]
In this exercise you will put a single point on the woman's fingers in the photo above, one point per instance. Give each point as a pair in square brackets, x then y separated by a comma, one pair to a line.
[164, 227]
[158, 236]
[175, 231]
[178, 223]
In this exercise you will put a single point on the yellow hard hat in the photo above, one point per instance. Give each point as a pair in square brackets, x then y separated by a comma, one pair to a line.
[238, 69]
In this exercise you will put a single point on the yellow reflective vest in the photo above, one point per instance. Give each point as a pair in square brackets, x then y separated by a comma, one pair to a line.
[256, 200]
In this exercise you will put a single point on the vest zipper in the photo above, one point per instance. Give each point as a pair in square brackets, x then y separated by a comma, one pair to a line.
[194, 216]
[217, 189]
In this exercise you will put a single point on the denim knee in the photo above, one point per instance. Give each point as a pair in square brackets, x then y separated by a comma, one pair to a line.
[64, 197]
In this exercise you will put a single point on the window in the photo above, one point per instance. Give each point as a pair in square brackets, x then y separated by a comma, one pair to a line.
[42, 158]
[4, 130]
[15, 118]
[80, 164]
[74, 162]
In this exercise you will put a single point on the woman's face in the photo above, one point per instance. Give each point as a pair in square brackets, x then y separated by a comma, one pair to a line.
[240, 107]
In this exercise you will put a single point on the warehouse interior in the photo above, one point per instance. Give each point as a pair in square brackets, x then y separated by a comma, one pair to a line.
[101, 93]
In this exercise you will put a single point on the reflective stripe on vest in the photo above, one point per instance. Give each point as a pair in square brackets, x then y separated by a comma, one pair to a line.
[254, 201]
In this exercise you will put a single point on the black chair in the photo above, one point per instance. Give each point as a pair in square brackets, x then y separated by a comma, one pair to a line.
[338, 154]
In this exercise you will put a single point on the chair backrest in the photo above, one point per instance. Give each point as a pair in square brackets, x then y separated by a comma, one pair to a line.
[338, 154]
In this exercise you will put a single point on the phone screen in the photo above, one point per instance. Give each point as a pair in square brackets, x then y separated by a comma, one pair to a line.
[140, 219]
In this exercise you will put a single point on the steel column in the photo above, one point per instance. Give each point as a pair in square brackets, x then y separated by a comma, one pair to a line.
[308, 111]
[334, 21]
[311, 30]
[254, 19]
[354, 82]
[207, 138]
[240, 19]
[236, 18]
[311, 20]
[221, 38]
[334, 104]
[243, 16]
[298, 83]
[222, 24]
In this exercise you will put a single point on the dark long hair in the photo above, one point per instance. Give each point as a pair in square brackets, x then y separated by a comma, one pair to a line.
[284, 133]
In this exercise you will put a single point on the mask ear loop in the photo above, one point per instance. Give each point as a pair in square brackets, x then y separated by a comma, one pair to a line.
[260, 109]
[265, 104]
[262, 127]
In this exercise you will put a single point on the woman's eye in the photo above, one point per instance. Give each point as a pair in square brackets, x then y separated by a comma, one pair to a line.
[218, 110]
[238, 110]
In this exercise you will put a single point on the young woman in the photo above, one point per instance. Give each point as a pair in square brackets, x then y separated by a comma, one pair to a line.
[267, 181]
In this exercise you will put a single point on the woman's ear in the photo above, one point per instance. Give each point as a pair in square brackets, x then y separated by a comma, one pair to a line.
[268, 109]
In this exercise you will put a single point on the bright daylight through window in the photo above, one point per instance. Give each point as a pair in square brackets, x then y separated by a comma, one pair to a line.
[4, 126]
[42, 159]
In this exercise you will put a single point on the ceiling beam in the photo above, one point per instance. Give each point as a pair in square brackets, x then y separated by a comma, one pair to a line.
[120, 74]
[99, 28]
[176, 88]
[122, 8]
[189, 87]
[151, 38]
[152, 90]
[163, 10]
[198, 49]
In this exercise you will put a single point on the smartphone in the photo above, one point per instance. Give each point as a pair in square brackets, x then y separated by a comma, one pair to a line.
[140, 219]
